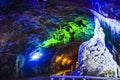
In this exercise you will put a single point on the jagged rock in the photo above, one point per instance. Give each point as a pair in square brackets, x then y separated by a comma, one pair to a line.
[95, 57]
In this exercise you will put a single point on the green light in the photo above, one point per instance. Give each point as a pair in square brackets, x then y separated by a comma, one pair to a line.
[50, 42]
[69, 30]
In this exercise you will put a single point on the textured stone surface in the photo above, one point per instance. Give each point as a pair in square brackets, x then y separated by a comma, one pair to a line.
[95, 58]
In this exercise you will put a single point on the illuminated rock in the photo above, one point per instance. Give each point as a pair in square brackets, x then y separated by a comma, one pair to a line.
[111, 24]
[94, 58]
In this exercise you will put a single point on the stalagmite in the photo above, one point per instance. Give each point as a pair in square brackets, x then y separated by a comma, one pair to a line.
[94, 57]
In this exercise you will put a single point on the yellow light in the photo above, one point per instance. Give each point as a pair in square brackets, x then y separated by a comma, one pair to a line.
[69, 61]
[58, 59]
[64, 60]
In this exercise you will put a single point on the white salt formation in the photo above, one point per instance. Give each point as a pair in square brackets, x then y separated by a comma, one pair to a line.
[94, 56]
[112, 24]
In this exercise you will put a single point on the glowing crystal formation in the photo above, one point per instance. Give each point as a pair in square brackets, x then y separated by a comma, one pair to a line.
[112, 25]
[94, 58]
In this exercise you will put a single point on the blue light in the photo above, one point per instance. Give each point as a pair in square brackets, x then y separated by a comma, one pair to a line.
[36, 56]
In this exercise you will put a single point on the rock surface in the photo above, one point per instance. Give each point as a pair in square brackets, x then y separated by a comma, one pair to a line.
[94, 58]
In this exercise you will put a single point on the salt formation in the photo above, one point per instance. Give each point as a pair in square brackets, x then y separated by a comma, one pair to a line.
[94, 58]
[112, 24]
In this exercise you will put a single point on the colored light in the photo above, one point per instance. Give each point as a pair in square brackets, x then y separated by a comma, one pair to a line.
[65, 59]
[58, 59]
[69, 61]
[71, 29]
[36, 56]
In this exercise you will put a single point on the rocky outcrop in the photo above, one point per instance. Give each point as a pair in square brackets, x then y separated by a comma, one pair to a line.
[94, 58]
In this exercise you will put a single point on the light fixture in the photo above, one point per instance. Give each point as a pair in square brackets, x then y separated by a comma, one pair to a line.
[35, 56]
